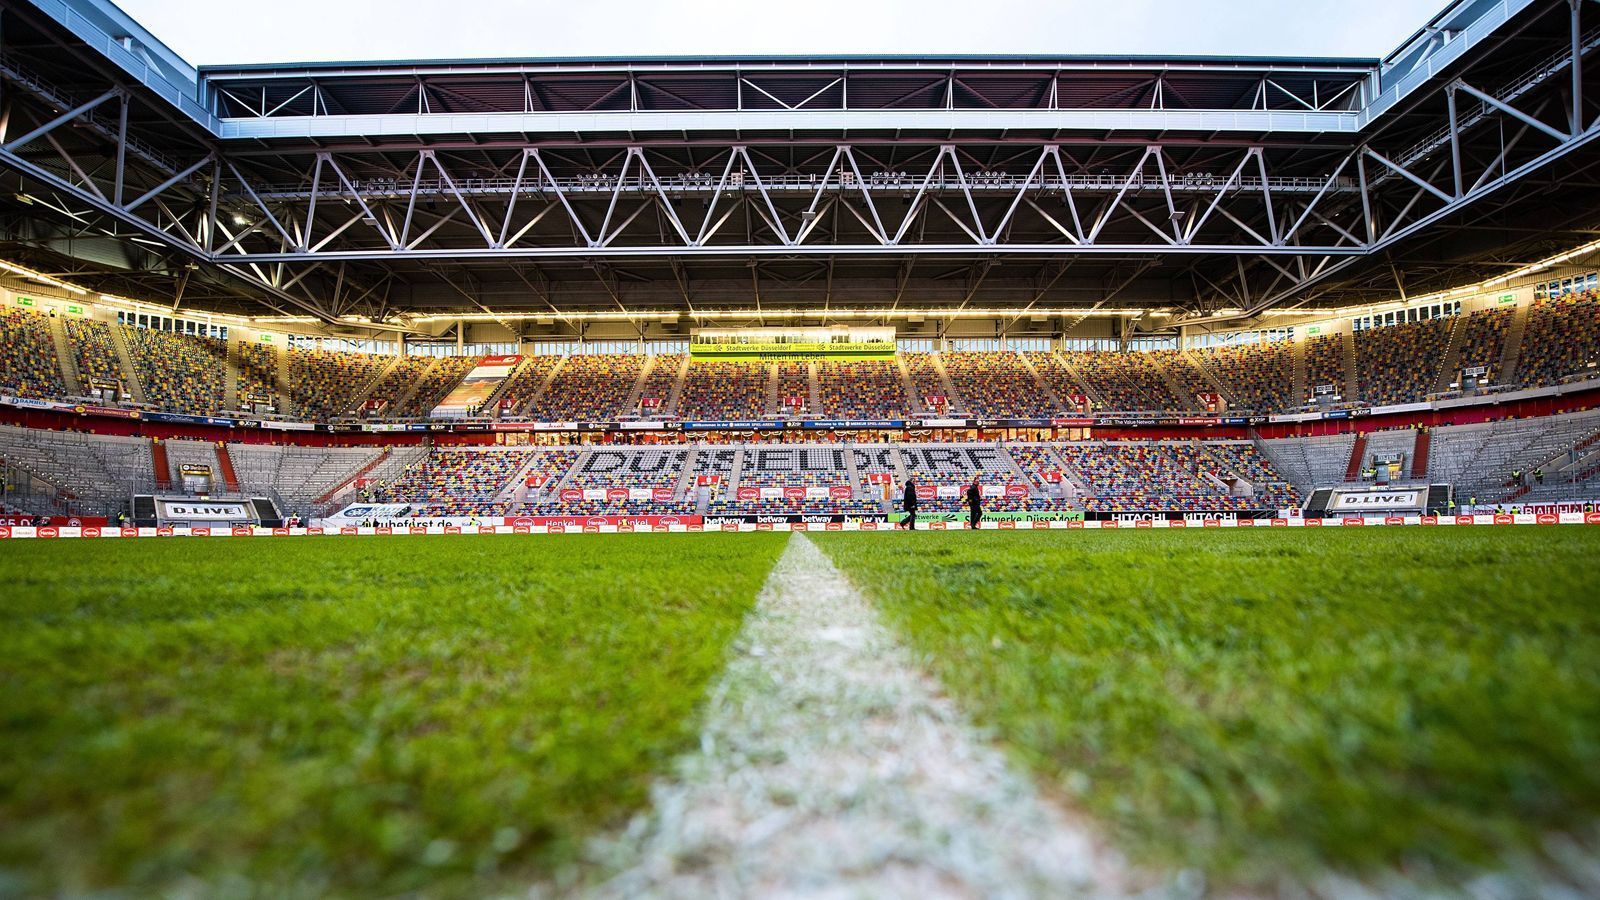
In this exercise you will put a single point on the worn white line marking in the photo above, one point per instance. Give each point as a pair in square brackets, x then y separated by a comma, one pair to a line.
[830, 766]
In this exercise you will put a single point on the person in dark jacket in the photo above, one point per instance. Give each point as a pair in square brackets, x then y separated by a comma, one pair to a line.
[909, 501]
[974, 504]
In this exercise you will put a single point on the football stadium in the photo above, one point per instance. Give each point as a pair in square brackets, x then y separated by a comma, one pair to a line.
[881, 476]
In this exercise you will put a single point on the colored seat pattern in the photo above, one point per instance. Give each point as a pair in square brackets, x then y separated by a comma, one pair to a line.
[180, 373]
[1400, 363]
[862, 389]
[29, 366]
[95, 353]
[724, 390]
[996, 385]
[1257, 377]
[324, 384]
[589, 387]
[1562, 339]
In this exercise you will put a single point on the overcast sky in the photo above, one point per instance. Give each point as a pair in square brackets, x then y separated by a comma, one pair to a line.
[234, 31]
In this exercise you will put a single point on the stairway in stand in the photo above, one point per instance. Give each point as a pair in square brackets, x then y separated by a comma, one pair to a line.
[1450, 365]
[1358, 452]
[1511, 356]
[69, 364]
[1297, 386]
[159, 462]
[230, 480]
[230, 382]
[130, 373]
[1419, 454]
[1352, 378]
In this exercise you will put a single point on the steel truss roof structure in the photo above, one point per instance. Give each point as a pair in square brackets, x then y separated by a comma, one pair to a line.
[1218, 187]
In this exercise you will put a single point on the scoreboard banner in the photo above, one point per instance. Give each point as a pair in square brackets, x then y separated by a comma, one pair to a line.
[802, 350]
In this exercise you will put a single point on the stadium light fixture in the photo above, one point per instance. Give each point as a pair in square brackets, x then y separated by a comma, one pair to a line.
[1460, 291]
[752, 315]
[31, 275]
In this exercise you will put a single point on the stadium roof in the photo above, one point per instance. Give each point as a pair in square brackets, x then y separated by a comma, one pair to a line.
[1189, 183]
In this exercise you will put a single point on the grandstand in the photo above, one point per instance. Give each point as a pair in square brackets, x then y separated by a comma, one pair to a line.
[1397, 364]
[725, 390]
[95, 356]
[1126, 381]
[1562, 340]
[179, 373]
[325, 304]
[257, 375]
[525, 383]
[996, 385]
[1257, 377]
[325, 385]
[29, 367]
[1482, 344]
[1376, 367]
[589, 388]
[868, 389]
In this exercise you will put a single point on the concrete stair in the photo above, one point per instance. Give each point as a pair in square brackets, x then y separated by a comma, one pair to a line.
[65, 356]
[286, 403]
[542, 389]
[683, 489]
[1352, 380]
[1298, 385]
[918, 404]
[1358, 452]
[1512, 354]
[1083, 383]
[360, 397]
[1175, 386]
[230, 375]
[1049, 392]
[1419, 454]
[671, 408]
[773, 399]
[1450, 364]
[130, 372]
[1210, 377]
[953, 401]
[637, 391]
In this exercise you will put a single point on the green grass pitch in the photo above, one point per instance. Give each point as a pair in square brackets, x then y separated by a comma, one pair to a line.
[1259, 702]
[459, 713]
[337, 715]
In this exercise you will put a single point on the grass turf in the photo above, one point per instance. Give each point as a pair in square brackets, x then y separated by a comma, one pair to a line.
[352, 715]
[1257, 704]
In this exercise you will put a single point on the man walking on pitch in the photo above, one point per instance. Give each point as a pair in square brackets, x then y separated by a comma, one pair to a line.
[974, 504]
[909, 502]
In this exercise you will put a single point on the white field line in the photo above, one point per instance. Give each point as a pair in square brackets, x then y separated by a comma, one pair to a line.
[830, 766]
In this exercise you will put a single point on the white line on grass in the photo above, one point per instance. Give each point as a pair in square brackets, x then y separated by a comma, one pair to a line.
[830, 766]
